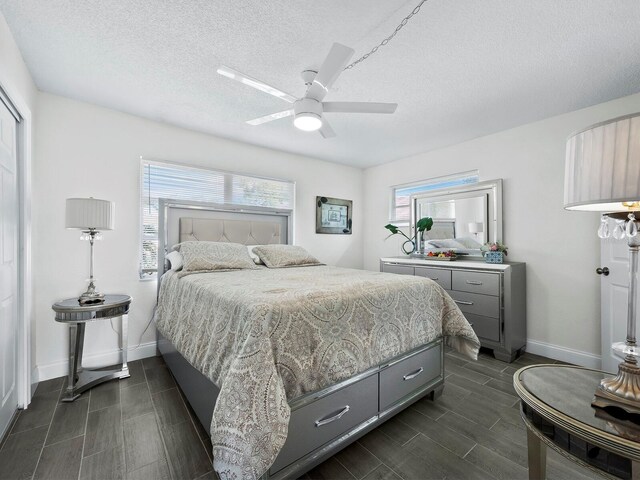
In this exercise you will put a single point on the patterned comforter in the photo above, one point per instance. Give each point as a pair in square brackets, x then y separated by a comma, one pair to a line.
[267, 336]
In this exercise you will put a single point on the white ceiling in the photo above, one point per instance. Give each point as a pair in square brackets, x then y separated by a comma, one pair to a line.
[460, 69]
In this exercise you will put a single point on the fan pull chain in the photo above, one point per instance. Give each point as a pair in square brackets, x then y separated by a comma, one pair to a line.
[405, 20]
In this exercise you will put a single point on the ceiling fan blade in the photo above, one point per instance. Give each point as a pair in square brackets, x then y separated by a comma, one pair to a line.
[325, 130]
[359, 107]
[255, 83]
[271, 117]
[331, 68]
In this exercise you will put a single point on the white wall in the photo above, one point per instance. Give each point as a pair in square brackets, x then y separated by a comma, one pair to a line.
[84, 150]
[561, 248]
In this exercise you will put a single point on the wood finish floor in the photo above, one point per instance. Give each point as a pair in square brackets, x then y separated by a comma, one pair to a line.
[141, 428]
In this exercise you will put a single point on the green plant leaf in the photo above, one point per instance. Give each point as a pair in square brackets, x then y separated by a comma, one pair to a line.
[392, 228]
[424, 223]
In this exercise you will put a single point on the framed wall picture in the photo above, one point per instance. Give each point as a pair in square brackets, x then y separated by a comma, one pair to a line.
[333, 215]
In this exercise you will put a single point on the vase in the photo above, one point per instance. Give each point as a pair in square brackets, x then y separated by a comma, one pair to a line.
[494, 257]
[408, 247]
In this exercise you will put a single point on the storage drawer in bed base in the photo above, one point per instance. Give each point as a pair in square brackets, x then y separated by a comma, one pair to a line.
[318, 456]
[194, 385]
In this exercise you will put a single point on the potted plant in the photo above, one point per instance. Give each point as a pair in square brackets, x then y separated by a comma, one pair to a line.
[494, 252]
[423, 225]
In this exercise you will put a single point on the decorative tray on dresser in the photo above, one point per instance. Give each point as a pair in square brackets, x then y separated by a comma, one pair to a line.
[491, 296]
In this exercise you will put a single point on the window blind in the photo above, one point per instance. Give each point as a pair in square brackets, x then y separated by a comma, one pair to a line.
[180, 182]
[401, 195]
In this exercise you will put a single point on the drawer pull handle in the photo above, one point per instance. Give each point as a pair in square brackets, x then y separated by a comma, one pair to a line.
[434, 278]
[411, 376]
[473, 282]
[460, 302]
[337, 416]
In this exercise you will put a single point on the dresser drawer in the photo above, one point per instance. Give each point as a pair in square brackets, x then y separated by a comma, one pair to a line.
[485, 305]
[485, 327]
[441, 277]
[408, 375]
[313, 425]
[395, 268]
[476, 282]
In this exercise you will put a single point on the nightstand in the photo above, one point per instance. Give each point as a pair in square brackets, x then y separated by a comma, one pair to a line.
[556, 409]
[71, 312]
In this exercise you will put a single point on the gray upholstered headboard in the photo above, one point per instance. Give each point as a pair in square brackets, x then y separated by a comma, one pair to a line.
[180, 221]
[441, 229]
[235, 231]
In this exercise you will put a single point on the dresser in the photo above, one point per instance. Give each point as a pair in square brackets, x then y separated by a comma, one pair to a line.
[491, 296]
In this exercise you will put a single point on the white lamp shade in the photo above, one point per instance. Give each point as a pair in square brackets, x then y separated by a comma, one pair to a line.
[475, 227]
[86, 213]
[602, 169]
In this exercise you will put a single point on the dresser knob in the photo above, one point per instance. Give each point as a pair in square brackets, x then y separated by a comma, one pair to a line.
[602, 271]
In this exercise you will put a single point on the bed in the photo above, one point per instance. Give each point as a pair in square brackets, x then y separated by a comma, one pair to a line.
[287, 366]
[443, 237]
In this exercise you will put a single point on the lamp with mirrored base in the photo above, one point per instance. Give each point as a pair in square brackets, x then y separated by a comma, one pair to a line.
[601, 174]
[90, 215]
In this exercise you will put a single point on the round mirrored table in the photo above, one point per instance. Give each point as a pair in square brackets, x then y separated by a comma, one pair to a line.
[556, 409]
[71, 312]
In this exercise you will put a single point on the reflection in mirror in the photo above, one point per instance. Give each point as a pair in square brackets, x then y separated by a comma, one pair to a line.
[464, 218]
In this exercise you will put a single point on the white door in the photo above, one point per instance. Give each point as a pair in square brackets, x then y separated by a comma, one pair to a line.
[8, 267]
[614, 255]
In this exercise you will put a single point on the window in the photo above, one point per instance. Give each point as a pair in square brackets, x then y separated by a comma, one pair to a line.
[401, 195]
[179, 182]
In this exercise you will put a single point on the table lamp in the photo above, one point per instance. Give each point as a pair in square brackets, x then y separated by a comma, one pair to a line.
[91, 216]
[475, 228]
[602, 174]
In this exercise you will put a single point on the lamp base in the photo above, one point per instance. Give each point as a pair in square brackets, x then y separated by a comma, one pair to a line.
[91, 296]
[622, 391]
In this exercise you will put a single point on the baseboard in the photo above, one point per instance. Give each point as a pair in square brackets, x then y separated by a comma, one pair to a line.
[564, 354]
[61, 368]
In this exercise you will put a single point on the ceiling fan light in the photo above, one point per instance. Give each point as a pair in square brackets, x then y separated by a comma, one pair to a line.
[308, 122]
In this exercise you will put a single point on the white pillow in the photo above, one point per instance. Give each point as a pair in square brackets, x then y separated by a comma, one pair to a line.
[446, 243]
[253, 256]
[469, 242]
[175, 259]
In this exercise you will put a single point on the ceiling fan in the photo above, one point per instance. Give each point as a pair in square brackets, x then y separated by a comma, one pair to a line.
[308, 111]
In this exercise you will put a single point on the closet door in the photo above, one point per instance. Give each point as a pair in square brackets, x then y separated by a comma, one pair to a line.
[8, 267]
[614, 290]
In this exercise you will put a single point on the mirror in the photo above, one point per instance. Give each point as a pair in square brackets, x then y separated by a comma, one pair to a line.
[464, 218]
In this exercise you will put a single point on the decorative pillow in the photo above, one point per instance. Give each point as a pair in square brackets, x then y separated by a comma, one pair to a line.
[175, 259]
[446, 243]
[253, 256]
[469, 242]
[211, 256]
[279, 256]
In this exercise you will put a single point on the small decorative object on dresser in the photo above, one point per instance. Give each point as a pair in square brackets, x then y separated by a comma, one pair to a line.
[491, 297]
[494, 252]
[77, 315]
[333, 215]
[91, 216]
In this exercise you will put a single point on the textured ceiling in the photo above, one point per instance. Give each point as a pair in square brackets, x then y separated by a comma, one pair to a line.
[460, 69]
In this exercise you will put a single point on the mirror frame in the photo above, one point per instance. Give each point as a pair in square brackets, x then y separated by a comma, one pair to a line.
[491, 188]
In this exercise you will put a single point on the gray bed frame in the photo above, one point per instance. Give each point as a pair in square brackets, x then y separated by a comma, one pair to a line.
[373, 396]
